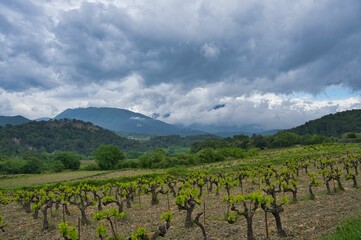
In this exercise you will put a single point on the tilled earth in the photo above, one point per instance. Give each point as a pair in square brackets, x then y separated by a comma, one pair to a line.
[306, 219]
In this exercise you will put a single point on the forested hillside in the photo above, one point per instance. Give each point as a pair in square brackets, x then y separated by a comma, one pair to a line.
[332, 124]
[78, 136]
[63, 135]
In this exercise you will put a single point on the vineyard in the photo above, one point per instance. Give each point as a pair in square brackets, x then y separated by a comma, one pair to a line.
[297, 193]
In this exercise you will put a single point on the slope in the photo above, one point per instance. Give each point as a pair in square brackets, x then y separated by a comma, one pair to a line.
[332, 124]
[65, 135]
[124, 121]
[13, 120]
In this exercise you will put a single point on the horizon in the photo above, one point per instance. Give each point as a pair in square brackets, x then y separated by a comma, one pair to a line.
[272, 64]
[234, 129]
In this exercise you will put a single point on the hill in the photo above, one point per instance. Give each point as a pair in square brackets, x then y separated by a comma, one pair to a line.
[230, 131]
[332, 124]
[65, 135]
[124, 121]
[13, 120]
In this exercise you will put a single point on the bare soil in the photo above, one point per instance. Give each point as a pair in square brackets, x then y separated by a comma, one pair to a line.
[306, 219]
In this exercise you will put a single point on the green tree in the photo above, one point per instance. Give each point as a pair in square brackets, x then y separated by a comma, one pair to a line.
[108, 156]
[33, 165]
[70, 160]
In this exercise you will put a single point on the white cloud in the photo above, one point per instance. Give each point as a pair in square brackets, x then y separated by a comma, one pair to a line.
[210, 51]
[268, 110]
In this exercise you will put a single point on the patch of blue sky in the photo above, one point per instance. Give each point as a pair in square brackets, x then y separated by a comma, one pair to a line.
[333, 92]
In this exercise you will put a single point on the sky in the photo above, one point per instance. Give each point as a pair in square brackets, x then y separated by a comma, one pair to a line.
[274, 64]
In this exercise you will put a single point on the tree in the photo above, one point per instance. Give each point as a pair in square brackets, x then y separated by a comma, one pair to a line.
[70, 160]
[107, 156]
[33, 165]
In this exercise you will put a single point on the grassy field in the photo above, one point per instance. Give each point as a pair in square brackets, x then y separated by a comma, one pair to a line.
[276, 156]
[26, 180]
[347, 230]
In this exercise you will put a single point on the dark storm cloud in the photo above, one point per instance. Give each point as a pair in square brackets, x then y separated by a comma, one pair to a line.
[279, 46]
[25, 49]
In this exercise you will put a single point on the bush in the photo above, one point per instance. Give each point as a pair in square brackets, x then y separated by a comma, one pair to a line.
[70, 160]
[12, 166]
[91, 167]
[56, 166]
[33, 165]
[209, 155]
[351, 135]
[179, 171]
[108, 156]
[128, 164]
[152, 159]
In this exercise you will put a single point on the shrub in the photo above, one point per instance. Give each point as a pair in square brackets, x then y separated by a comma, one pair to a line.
[70, 160]
[108, 156]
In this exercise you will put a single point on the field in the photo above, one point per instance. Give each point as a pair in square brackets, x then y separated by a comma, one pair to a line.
[304, 219]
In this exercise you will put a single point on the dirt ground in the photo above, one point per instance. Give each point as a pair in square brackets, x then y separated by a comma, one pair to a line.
[306, 219]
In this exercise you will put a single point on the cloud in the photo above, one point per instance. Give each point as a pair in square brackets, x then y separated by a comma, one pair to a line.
[174, 105]
[210, 51]
[285, 45]
[180, 58]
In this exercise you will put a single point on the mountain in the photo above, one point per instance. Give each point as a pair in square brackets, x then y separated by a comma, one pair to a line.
[64, 135]
[42, 119]
[332, 124]
[124, 121]
[230, 131]
[14, 120]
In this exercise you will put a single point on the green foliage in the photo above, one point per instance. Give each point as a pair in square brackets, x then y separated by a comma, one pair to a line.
[254, 197]
[209, 155]
[68, 231]
[70, 160]
[4, 199]
[33, 165]
[101, 231]
[13, 166]
[285, 199]
[139, 234]
[167, 216]
[179, 171]
[285, 139]
[152, 159]
[55, 166]
[91, 167]
[351, 135]
[232, 217]
[107, 156]
[347, 230]
[188, 193]
[58, 135]
[313, 179]
[107, 213]
[332, 124]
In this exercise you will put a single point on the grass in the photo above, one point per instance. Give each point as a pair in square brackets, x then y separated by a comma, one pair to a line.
[25, 180]
[86, 163]
[347, 230]
[275, 156]
[12, 182]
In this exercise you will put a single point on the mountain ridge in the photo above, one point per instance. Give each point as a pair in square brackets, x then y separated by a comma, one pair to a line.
[333, 124]
[13, 120]
[124, 121]
[58, 135]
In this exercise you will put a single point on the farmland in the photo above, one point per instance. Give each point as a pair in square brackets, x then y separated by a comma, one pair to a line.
[219, 183]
